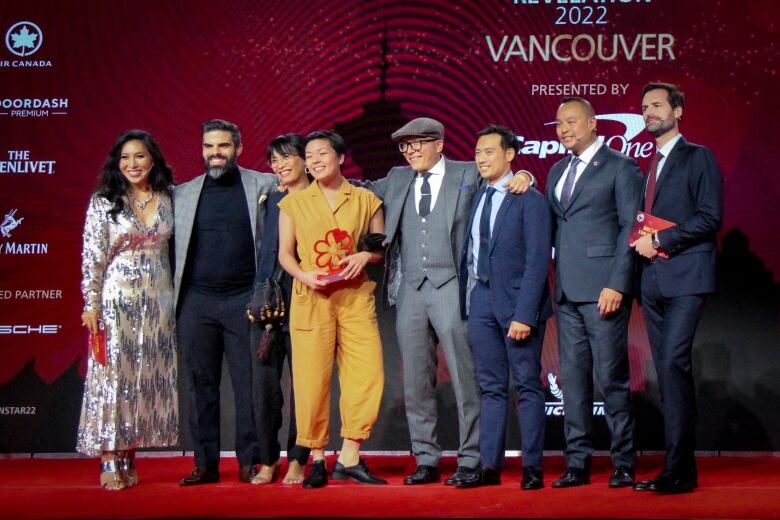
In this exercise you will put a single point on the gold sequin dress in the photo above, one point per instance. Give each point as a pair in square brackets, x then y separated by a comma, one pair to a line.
[131, 402]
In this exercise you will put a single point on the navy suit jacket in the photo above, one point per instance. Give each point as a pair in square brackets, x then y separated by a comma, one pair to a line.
[689, 192]
[519, 259]
[592, 234]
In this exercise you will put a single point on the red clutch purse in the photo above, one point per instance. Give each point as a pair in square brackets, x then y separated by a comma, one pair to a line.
[97, 344]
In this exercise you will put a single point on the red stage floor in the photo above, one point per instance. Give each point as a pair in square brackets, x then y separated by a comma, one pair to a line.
[730, 487]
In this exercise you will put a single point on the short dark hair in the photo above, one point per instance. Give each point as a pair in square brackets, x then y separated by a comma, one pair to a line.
[336, 141]
[508, 137]
[674, 95]
[113, 185]
[221, 124]
[589, 111]
[287, 144]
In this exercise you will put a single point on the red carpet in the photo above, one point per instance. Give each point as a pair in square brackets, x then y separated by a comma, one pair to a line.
[730, 487]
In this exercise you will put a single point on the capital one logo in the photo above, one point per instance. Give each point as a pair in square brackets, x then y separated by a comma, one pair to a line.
[24, 38]
[10, 222]
[633, 124]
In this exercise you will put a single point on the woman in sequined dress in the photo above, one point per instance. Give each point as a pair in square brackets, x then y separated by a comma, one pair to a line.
[130, 401]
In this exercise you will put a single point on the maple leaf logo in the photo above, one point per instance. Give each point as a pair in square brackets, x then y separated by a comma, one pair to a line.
[27, 38]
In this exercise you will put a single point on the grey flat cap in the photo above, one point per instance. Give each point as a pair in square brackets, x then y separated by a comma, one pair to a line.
[420, 127]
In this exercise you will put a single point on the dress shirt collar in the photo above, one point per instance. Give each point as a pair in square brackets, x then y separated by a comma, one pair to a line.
[667, 148]
[589, 152]
[499, 186]
[438, 168]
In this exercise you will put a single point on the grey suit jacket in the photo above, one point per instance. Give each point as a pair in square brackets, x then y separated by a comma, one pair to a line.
[257, 187]
[461, 181]
[591, 235]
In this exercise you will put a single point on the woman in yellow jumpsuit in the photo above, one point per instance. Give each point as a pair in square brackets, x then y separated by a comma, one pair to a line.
[318, 230]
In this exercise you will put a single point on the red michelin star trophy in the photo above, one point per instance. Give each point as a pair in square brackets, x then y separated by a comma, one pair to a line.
[335, 246]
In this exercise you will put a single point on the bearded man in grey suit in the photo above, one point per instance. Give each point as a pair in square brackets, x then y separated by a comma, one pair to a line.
[427, 207]
[216, 246]
[594, 196]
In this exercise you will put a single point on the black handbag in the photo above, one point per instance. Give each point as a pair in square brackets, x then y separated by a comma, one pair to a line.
[268, 308]
[372, 242]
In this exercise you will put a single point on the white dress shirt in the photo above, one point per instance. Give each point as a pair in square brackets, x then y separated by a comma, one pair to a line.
[665, 151]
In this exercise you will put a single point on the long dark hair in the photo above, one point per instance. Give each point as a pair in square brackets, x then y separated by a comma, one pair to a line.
[113, 184]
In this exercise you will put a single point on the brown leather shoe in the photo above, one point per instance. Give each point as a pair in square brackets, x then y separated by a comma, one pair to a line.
[247, 473]
[200, 476]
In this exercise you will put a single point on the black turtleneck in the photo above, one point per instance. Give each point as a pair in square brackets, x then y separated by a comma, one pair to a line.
[221, 257]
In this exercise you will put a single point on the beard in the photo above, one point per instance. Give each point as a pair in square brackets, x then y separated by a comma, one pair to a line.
[215, 172]
[659, 127]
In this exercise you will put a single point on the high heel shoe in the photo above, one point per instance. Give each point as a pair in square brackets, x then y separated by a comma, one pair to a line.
[127, 469]
[262, 477]
[111, 476]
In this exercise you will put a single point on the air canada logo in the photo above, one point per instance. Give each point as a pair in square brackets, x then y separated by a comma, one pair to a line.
[11, 221]
[24, 39]
[625, 143]
[555, 408]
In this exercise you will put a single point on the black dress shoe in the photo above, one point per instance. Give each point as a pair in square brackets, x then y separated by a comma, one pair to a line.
[533, 478]
[461, 473]
[200, 476]
[572, 477]
[423, 475]
[359, 472]
[622, 476]
[673, 483]
[318, 477]
[478, 478]
[247, 473]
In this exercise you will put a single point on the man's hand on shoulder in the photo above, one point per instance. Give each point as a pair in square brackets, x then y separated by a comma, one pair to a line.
[520, 182]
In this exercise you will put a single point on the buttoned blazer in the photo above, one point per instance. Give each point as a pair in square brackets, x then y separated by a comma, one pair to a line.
[592, 234]
[257, 187]
[459, 184]
[519, 259]
[689, 192]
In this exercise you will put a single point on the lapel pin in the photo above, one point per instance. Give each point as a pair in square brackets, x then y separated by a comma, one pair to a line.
[596, 163]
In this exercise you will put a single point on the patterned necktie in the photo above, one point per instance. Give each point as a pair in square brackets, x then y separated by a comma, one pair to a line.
[651, 180]
[568, 184]
[425, 196]
[483, 262]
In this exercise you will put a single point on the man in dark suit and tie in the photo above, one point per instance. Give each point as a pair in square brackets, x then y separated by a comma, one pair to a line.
[504, 287]
[594, 195]
[684, 186]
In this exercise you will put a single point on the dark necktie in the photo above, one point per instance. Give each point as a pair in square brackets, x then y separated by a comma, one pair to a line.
[425, 195]
[568, 184]
[651, 180]
[483, 261]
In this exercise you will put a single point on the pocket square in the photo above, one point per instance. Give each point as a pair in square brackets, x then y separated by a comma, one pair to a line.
[262, 199]
[464, 187]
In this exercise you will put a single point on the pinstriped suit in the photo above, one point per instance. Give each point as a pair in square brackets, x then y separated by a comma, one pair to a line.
[210, 325]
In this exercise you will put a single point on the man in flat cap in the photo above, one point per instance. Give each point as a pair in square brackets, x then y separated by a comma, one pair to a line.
[427, 207]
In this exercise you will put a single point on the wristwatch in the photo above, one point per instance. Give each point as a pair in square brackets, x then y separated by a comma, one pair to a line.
[656, 244]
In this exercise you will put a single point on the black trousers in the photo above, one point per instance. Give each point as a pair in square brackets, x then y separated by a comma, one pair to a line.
[671, 326]
[210, 326]
[269, 401]
[591, 345]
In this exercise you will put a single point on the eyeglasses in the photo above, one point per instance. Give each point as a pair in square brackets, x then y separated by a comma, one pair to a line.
[277, 161]
[415, 145]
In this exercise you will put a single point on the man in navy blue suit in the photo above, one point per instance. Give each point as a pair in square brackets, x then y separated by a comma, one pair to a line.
[684, 186]
[504, 287]
[594, 195]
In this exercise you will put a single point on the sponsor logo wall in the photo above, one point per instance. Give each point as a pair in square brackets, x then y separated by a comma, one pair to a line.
[69, 85]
